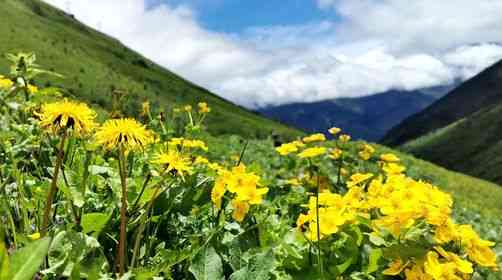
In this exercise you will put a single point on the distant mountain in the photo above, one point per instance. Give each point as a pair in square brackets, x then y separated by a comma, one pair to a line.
[368, 117]
[94, 65]
[462, 131]
[480, 92]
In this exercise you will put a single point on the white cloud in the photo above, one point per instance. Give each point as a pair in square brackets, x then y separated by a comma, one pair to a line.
[379, 45]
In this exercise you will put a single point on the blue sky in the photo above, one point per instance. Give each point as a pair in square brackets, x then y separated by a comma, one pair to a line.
[235, 16]
[268, 52]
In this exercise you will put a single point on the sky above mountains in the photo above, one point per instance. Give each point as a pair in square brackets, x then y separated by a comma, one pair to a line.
[270, 52]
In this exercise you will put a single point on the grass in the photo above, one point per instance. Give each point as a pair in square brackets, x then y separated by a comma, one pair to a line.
[471, 145]
[95, 65]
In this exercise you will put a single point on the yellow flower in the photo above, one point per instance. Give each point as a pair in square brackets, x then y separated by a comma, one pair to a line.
[389, 157]
[214, 166]
[366, 152]
[416, 273]
[67, 115]
[187, 143]
[461, 265]
[34, 236]
[334, 130]
[312, 152]
[241, 208]
[145, 106]
[396, 267]
[358, 178]
[5, 83]
[125, 133]
[203, 108]
[318, 137]
[344, 138]
[298, 143]
[187, 108]
[218, 192]
[393, 168]
[201, 160]
[336, 154]
[32, 89]
[174, 161]
[286, 149]
[477, 249]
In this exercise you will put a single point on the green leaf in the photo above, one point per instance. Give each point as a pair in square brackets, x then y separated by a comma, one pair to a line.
[377, 240]
[25, 262]
[375, 256]
[94, 223]
[207, 265]
[258, 268]
[4, 263]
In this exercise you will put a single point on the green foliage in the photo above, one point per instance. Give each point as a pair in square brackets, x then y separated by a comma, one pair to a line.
[25, 262]
[207, 265]
[174, 229]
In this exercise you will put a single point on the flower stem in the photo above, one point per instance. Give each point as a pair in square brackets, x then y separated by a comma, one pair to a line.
[319, 258]
[123, 210]
[54, 186]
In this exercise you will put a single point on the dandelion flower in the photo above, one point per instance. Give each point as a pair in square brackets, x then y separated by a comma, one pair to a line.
[67, 115]
[174, 161]
[126, 133]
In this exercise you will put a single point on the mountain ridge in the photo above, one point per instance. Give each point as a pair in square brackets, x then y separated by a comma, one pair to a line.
[367, 117]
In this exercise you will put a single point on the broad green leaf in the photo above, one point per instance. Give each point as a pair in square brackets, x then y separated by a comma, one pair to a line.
[258, 268]
[94, 223]
[25, 262]
[207, 265]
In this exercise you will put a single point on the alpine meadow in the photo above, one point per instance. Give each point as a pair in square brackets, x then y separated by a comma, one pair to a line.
[112, 167]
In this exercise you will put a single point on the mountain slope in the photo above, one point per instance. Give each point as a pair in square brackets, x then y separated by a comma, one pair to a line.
[472, 145]
[462, 131]
[368, 117]
[483, 90]
[94, 65]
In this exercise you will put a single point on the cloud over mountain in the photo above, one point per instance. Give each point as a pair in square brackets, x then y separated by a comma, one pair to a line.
[376, 46]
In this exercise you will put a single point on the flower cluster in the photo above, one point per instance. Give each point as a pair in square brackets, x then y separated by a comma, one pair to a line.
[244, 186]
[393, 205]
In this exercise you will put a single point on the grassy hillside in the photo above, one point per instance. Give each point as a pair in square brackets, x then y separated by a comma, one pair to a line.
[95, 65]
[479, 93]
[368, 117]
[472, 145]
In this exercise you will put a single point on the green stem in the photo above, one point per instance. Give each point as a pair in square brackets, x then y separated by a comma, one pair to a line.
[319, 258]
[54, 186]
[123, 212]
